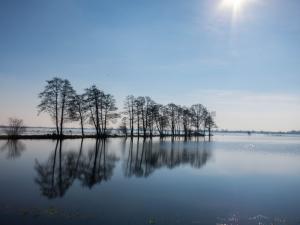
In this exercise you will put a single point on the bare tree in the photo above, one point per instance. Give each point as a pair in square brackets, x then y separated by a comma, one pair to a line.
[15, 127]
[186, 121]
[146, 114]
[66, 97]
[78, 111]
[102, 109]
[50, 99]
[139, 110]
[129, 106]
[93, 99]
[109, 111]
[171, 113]
[123, 127]
[56, 99]
[161, 119]
[152, 113]
[209, 124]
[198, 113]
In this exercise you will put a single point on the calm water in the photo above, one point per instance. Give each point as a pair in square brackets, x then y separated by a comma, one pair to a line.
[231, 180]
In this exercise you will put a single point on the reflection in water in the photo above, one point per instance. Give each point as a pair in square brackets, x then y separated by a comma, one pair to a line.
[57, 174]
[155, 181]
[14, 148]
[96, 165]
[145, 156]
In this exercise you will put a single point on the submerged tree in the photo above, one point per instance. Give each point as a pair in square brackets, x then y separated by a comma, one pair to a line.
[56, 99]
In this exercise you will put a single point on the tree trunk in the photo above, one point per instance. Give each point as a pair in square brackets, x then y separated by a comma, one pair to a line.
[138, 125]
[132, 118]
[62, 116]
[81, 120]
[97, 118]
[56, 113]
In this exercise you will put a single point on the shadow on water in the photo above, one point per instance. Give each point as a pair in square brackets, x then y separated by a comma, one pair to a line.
[14, 148]
[141, 157]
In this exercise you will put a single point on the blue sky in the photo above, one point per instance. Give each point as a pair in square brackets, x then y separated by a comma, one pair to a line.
[248, 70]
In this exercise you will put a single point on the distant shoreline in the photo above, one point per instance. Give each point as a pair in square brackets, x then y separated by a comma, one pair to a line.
[55, 137]
[116, 129]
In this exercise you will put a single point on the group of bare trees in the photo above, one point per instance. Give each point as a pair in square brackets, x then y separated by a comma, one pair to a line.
[141, 117]
[63, 104]
[144, 117]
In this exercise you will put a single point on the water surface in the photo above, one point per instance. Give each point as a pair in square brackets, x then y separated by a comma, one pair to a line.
[235, 179]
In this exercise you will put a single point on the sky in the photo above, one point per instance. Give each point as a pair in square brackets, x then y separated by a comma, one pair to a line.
[242, 63]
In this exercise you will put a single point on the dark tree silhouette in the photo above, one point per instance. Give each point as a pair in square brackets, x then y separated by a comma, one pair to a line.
[67, 95]
[56, 99]
[15, 127]
[123, 127]
[101, 108]
[161, 119]
[129, 106]
[209, 124]
[139, 110]
[142, 116]
[78, 111]
[171, 110]
[199, 113]
[186, 121]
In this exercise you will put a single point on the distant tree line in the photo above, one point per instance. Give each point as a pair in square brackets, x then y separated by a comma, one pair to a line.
[141, 116]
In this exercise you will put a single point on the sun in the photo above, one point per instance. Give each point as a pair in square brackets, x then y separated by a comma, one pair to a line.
[235, 6]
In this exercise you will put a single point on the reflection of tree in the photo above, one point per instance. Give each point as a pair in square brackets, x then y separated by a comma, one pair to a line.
[97, 166]
[144, 157]
[55, 176]
[58, 173]
[14, 148]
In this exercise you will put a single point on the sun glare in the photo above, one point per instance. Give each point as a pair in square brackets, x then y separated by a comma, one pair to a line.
[235, 6]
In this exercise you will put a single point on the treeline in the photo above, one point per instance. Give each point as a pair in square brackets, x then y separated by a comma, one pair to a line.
[141, 116]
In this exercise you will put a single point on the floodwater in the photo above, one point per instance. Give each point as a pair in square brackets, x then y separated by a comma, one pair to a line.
[234, 179]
